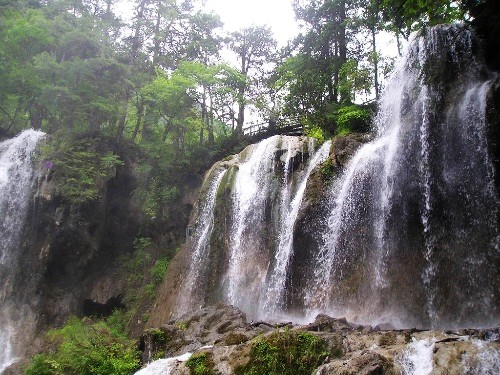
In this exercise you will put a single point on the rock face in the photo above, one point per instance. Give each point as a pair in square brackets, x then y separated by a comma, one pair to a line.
[72, 253]
[70, 249]
[222, 333]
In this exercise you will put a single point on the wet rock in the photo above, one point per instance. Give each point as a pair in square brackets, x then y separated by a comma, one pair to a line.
[325, 323]
[362, 363]
[222, 324]
[384, 327]
[223, 333]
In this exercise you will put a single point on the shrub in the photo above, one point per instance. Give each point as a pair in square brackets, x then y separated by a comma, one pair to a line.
[84, 347]
[353, 118]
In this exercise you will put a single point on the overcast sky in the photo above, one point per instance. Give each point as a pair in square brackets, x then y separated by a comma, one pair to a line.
[236, 14]
[277, 14]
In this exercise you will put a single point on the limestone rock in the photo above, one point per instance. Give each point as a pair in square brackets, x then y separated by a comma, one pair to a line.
[359, 363]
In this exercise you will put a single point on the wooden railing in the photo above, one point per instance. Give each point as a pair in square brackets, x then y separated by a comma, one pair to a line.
[280, 127]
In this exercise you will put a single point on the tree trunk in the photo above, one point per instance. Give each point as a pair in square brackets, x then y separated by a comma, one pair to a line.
[241, 117]
[156, 36]
[36, 116]
[203, 114]
[210, 122]
[375, 63]
[136, 39]
[120, 128]
[140, 113]
[342, 43]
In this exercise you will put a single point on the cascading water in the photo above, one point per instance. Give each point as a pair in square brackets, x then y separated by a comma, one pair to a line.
[267, 183]
[252, 189]
[408, 231]
[413, 234]
[417, 357]
[290, 206]
[16, 177]
[200, 235]
[164, 366]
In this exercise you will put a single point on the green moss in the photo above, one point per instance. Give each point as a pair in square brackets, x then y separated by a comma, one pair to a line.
[201, 364]
[227, 181]
[285, 352]
[157, 335]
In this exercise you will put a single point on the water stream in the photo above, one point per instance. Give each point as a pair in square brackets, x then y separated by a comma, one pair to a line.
[16, 178]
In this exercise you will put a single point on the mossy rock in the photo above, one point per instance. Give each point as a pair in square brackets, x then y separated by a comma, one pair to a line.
[201, 364]
[285, 352]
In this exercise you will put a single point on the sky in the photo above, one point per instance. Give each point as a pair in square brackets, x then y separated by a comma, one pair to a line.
[237, 14]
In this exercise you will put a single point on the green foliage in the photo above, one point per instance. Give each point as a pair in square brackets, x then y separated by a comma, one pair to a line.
[315, 132]
[182, 325]
[353, 118]
[409, 16]
[327, 169]
[81, 167]
[200, 364]
[159, 270]
[85, 347]
[285, 352]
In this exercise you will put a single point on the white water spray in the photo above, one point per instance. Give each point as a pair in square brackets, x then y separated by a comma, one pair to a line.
[16, 177]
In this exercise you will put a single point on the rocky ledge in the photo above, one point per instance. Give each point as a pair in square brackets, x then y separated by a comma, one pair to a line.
[221, 341]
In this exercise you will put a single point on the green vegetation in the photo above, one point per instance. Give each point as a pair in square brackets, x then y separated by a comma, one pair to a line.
[201, 364]
[86, 347]
[353, 118]
[327, 169]
[81, 166]
[145, 269]
[285, 352]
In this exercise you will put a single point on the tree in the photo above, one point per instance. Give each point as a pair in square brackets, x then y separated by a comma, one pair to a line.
[405, 16]
[253, 46]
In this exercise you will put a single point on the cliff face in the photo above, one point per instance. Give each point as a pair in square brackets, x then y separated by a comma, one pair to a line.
[72, 249]
[74, 255]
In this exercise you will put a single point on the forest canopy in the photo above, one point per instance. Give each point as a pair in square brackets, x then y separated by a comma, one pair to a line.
[77, 71]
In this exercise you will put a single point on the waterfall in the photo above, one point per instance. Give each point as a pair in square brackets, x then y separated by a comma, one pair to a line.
[240, 238]
[200, 237]
[251, 190]
[16, 177]
[406, 232]
[417, 357]
[163, 366]
[275, 287]
[412, 235]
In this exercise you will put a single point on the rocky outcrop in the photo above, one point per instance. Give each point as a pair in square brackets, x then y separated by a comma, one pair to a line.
[72, 248]
[74, 254]
[222, 335]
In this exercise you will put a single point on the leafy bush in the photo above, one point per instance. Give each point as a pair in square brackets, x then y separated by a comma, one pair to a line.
[285, 352]
[353, 118]
[84, 347]
[315, 132]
